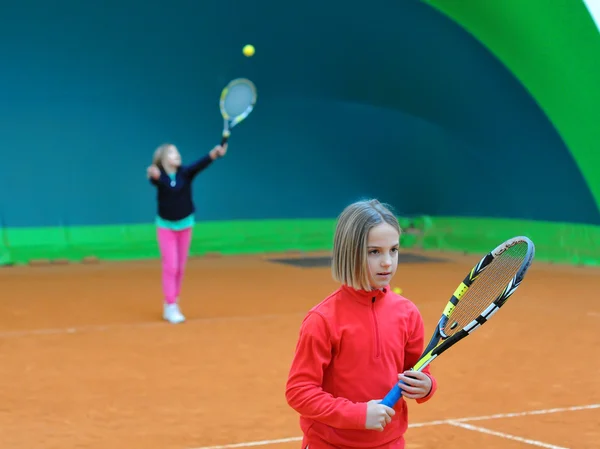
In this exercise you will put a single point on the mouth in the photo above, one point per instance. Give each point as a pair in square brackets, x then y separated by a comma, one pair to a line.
[385, 273]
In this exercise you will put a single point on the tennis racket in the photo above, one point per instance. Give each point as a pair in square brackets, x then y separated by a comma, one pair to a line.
[479, 296]
[237, 101]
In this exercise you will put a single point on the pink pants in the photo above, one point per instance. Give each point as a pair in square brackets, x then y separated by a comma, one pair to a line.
[174, 249]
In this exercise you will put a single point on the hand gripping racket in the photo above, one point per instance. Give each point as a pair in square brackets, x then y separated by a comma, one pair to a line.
[481, 294]
[237, 101]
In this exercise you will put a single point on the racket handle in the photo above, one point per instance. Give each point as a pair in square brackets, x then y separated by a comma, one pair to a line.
[392, 397]
[225, 138]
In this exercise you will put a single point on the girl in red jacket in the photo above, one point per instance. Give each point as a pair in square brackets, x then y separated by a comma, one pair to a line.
[357, 342]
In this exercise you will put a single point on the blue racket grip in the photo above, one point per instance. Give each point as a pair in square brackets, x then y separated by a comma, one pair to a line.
[393, 396]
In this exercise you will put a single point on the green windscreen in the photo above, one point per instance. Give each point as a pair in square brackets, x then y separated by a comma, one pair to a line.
[552, 48]
[556, 242]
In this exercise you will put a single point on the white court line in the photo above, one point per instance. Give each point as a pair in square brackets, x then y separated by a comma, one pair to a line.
[125, 326]
[530, 413]
[254, 443]
[505, 435]
[455, 422]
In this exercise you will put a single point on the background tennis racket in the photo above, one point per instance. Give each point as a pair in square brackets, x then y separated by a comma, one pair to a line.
[237, 101]
[485, 289]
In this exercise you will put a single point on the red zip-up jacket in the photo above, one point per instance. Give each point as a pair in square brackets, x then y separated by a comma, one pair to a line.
[350, 350]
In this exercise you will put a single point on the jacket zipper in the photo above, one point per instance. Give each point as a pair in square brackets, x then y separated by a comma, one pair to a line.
[377, 342]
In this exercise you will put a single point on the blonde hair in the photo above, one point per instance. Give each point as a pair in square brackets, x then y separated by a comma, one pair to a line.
[159, 154]
[349, 263]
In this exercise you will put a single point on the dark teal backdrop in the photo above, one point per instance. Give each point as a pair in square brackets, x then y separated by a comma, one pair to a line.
[390, 100]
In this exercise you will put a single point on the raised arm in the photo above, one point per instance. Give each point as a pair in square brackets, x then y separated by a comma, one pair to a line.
[196, 167]
[193, 169]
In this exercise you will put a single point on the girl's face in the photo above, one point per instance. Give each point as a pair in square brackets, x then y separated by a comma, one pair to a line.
[383, 242]
[172, 157]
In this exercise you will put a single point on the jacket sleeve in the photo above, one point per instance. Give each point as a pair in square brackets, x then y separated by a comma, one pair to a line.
[413, 350]
[163, 179]
[193, 169]
[304, 391]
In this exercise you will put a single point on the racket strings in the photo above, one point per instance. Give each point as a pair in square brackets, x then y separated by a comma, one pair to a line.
[490, 284]
[238, 99]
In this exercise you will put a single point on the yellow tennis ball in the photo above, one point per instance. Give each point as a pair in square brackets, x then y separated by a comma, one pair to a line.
[397, 290]
[248, 50]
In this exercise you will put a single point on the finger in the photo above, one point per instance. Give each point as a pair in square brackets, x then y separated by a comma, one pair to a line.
[415, 375]
[410, 380]
[413, 395]
[407, 382]
[389, 411]
[409, 389]
[417, 394]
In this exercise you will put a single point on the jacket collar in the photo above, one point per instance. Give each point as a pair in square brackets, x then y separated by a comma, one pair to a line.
[366, 297]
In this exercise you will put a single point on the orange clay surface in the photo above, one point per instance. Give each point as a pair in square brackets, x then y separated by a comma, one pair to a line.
[87, 362]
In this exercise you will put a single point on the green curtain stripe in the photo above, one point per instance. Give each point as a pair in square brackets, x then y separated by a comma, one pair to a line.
[558, 242]
[552, 48]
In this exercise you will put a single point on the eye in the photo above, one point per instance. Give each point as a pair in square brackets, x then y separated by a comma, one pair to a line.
[394, 250]
[374, 251]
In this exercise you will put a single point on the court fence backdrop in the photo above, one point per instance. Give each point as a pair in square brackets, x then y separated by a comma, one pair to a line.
[555, 242]
[484, 131]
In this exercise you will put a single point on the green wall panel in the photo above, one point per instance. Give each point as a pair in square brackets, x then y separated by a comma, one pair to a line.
[556, 242]
[553, 48]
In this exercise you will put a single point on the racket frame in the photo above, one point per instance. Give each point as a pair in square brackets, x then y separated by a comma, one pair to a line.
[228, 121]
[434, 349]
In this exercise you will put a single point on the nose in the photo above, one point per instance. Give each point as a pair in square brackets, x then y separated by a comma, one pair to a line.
[386, 261]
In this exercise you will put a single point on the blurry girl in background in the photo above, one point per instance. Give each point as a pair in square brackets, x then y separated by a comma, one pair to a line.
[175, 217]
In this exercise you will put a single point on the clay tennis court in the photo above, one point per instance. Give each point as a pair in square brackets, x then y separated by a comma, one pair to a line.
[86, 361]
